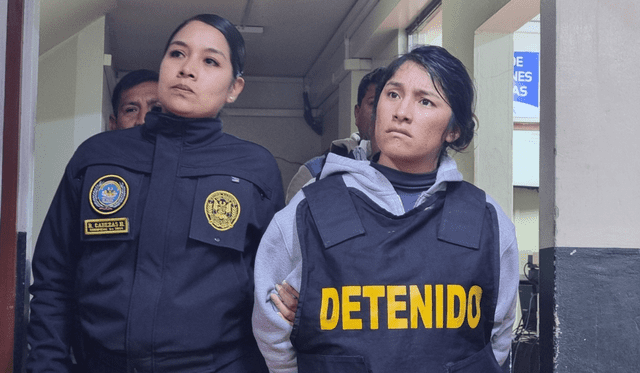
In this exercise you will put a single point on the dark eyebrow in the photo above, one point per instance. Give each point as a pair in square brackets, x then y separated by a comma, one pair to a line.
[395, 84]
[180, 43]
[423, 92]
[210, 50]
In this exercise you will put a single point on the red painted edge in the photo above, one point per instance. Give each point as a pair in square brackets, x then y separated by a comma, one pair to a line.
[10, 164]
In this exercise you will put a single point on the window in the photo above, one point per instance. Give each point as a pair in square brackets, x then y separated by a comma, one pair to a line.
[427, 27]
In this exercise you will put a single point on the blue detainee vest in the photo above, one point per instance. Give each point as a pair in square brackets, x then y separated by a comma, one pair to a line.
[383, 293]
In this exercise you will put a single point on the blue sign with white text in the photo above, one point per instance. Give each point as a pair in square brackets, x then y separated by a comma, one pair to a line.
[526, 80]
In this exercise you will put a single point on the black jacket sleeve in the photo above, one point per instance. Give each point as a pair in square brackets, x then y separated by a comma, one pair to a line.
[53, 316]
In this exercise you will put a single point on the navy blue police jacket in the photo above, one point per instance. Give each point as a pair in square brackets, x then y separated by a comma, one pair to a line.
[383, 293]
[147, 250]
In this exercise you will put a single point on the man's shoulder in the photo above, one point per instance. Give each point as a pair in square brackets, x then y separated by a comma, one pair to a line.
[314, 165]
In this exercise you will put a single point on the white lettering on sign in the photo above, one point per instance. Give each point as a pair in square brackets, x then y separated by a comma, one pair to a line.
[521, 91]
[522, 76]
[518, 61]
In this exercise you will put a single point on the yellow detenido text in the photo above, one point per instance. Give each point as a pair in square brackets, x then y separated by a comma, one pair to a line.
[424, 303]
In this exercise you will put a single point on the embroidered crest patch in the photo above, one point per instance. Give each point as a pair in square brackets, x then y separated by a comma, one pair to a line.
[108, 194]
[222, 210]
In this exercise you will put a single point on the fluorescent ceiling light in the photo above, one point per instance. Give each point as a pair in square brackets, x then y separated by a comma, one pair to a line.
[250, 29]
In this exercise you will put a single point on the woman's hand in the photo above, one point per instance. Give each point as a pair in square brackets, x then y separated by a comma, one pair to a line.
[286, 301]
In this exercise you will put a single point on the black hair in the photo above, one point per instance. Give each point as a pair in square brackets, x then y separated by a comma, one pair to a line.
[449, 75]
[129, 81]
[371, 78]
[230, 32]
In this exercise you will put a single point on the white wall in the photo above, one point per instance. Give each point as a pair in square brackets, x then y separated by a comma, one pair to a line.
[31, 39]
[493, 148]
[526, 217]
[109, 80]
[69, 108]
[269, 112]
[589, 122]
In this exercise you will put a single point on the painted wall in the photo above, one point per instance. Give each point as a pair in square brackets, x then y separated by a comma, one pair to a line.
[109, 80]
[460, 20]
[269, 112]
[525, 218]
[594, 175]
[492, 147]
[589, 205]
[69, 108]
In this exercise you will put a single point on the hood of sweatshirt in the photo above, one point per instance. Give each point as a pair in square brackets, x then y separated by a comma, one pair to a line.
[360, 175]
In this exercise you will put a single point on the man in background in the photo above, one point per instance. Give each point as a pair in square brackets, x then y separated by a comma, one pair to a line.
[361, 145]
[133, 97]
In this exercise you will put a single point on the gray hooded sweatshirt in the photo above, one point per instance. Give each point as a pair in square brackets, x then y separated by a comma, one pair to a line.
[279, 259]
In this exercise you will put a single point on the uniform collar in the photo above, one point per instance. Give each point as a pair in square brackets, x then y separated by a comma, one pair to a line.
[191, 131]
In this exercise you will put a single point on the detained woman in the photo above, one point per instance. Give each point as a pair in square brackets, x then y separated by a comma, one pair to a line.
[401, 266]
[145, 260]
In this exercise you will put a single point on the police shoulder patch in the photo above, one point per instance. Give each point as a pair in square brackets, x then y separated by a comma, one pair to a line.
[108, 194]
[222, 210]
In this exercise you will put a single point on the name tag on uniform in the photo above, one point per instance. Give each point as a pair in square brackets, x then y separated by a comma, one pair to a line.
[106, 226]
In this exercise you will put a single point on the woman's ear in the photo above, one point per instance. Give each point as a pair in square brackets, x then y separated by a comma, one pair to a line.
[236, 88]
[452, 135]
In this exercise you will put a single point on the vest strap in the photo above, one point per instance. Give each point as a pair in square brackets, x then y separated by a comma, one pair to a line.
[463, 213]
[333, 210]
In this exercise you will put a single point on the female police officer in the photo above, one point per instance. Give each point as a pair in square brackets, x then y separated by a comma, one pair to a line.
[144, 262]
[401, 266]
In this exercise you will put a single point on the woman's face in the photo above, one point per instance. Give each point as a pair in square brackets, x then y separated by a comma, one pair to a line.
[196, 76]
[411, 121]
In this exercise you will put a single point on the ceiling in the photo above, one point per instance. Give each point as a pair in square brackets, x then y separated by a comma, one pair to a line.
[294, 31]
